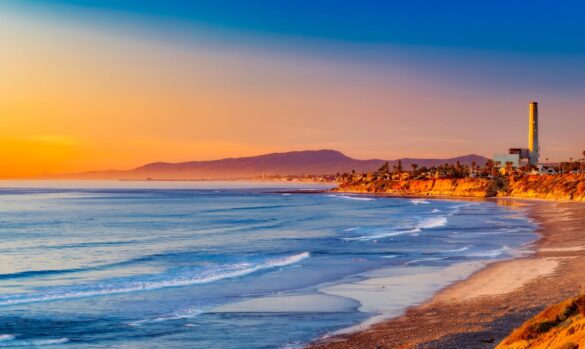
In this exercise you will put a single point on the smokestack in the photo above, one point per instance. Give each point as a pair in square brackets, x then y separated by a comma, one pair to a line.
[533, 134]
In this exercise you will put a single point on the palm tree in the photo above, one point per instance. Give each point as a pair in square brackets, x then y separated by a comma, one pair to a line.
[398, 167]
[509, 166]
[385, 168]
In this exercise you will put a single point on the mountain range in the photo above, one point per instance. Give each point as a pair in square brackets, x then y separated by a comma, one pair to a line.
[310, 162]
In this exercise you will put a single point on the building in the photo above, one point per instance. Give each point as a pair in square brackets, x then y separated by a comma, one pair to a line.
[520, 157]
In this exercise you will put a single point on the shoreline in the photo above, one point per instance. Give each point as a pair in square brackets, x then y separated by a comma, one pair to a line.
[480, 310]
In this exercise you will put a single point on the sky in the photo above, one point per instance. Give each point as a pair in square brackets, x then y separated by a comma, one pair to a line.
[114, 84]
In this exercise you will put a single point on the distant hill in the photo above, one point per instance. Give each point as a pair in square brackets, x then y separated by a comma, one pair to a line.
[314, 162]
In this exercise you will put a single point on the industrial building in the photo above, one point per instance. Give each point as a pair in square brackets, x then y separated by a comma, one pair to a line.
[524, 157]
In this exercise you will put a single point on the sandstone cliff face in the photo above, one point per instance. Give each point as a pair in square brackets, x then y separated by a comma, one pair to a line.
[469, 187]
[560, 326]
[557, 187]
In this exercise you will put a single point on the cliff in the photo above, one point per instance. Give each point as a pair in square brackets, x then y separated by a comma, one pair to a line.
[557, 187]
[469, 187]
[559, 326]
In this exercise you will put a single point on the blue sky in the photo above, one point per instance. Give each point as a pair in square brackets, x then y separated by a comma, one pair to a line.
[538, 26]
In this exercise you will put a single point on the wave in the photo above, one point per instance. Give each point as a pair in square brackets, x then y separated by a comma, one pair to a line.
[182, 279]
[490, 254]
[456, 209]
[429, 223]
[419, 202]
[32, 343]
[430, 259]
[178, 315]
[6, 337]
[243, 208]
[462, 249]
[33, 273]
[433, 222]
[382, 235]
[348, 197]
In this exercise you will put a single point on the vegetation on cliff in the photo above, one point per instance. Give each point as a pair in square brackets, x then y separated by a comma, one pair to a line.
[560, 326]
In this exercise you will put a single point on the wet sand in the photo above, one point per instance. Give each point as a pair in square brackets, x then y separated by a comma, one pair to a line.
[480, 311]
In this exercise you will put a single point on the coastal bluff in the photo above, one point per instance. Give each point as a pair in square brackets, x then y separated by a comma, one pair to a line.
[550, 187]
[559, 326]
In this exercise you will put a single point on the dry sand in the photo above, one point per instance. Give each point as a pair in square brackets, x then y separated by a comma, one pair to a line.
[480, 311]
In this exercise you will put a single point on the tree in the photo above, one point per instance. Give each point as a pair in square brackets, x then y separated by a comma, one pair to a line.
[385, 168]
[414, 167]
[509, 167]
[398, 167]
[488, 168]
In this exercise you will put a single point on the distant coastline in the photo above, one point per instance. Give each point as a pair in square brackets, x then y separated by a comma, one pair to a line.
[320, 165]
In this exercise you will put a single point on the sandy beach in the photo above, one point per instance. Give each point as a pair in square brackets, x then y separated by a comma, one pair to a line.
[481, 310]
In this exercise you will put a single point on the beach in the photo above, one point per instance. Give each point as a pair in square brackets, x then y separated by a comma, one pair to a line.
[481, 310]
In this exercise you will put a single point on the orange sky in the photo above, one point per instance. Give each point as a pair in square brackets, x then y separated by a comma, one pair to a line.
[78, 97]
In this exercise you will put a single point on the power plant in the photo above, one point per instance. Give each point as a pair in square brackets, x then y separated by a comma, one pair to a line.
[519, 157]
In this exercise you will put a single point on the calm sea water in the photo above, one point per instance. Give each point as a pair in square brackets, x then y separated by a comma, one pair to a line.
[157, 265]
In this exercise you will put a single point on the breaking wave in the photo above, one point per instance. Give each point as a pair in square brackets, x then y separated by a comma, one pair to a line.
[428, 223]
[11, 341]
[181, 279]
[6, 337]
[178, 315]
[430, 259]
[419, 202]
[490, 254]
[348, 197]
[462, 249]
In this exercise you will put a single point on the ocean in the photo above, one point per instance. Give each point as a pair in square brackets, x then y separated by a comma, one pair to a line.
[99, 264]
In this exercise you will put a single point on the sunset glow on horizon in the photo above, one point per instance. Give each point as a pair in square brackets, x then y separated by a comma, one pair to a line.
[114, 86]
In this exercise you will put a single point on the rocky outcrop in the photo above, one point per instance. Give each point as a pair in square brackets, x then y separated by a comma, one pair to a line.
[559, 326]
[550, 187]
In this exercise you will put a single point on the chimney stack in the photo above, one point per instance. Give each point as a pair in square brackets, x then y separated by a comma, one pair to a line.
[533, 146]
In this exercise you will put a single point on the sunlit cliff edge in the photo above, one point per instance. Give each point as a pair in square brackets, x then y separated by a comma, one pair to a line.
[550, 187]
[560, 326]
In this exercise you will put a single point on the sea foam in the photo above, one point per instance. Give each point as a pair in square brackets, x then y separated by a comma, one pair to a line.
[6, 337]
[348, 197]
[208, 276]
[428, 223]
[419, 202]
[33, 343]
